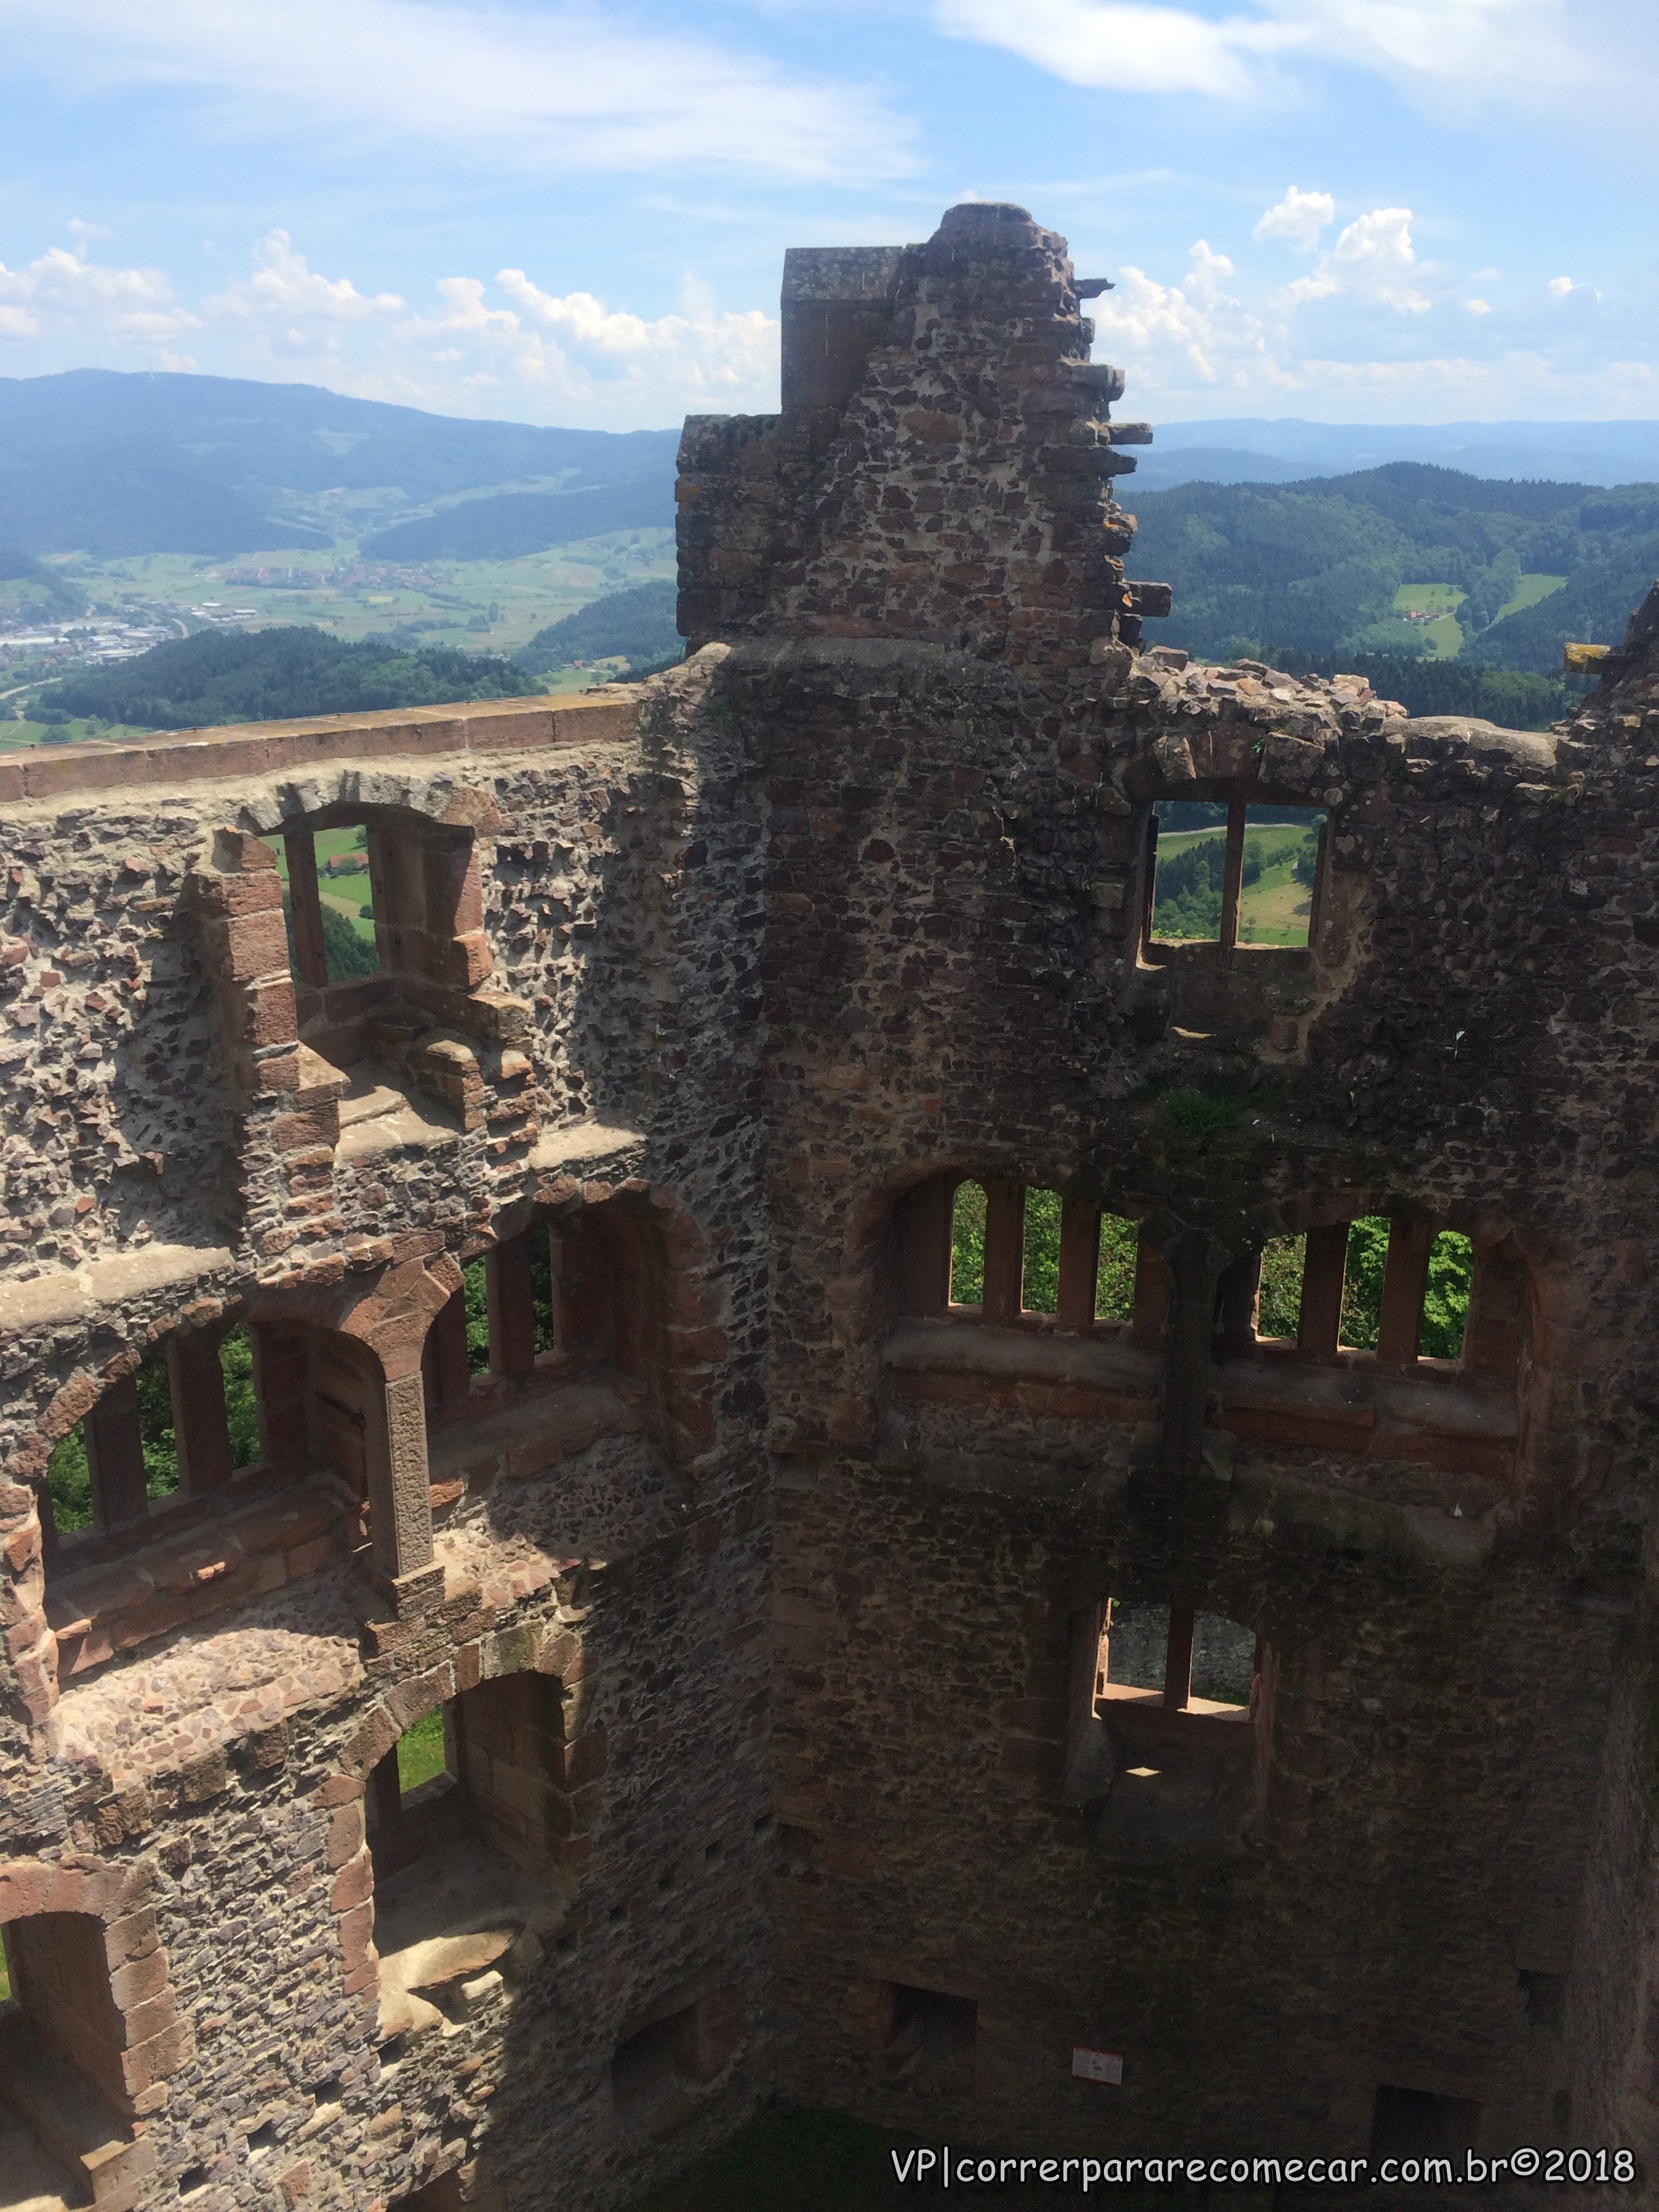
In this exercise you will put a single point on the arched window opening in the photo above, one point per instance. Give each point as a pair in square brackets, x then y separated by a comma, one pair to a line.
[1230, 874]
[177, 1428]
[470, 1820]
[1278, 1305]
[1114, 1275]
[563, 1299]
[65, 2102]
[1040, 1257]
[968, 1244]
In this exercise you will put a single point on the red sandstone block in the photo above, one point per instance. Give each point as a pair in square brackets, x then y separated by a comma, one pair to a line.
[366, 1977]
[79, 1650]
[139, 1979]
[208, 1558]
[354, 1884]
[469, 1666]
[279, 1528]
[339, 1790]
[167, 1611]
[249, 946]
[253, 1578]
[146, 2020]
[307, 1558]
[378, 1735]
[222, 896]
[25, 1635]
[407, 1704]
[356, 1928]
[345, 1833]
[295, 2184]
[164, 2054]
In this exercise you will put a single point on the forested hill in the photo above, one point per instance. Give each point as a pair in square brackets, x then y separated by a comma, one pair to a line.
[100, 462]
[272, 675]
[1315, 566]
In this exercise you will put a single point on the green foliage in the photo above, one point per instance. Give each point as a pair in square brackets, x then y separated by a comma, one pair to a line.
[1114, 1282]
[30, 591]
[269, 674]
[1279, 1310]
[156, 1427]
[1446, 1302]
[968, 1245]
[1314, 566]
[475, 1290]
[241, 1408]
[421, 1752]
[1188, 900]
[69, 1478]
[1362, 1286]
[541, 1286]
[636, 625]
[1205, 1113]
[346, 953]
[1039, 1278]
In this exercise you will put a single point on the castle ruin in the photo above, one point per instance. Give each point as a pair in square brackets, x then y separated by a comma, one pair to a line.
[1058, 1718]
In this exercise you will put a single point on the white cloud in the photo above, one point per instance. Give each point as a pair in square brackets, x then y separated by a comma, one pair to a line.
[1477, 307]
[1123, 48]
[1559, 287]
[1300, 216]
[1372, 259]
[1456, 56]
[548, 89]
[283, 283]
[63, 289]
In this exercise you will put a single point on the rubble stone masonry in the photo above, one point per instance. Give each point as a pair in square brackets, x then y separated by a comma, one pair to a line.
[760, 1584]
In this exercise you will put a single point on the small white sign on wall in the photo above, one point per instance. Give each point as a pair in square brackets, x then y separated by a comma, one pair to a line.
[1096, 2065]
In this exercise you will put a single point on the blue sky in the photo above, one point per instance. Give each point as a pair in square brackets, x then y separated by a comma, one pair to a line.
[1354, 210]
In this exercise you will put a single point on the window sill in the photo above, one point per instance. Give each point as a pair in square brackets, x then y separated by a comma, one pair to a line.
[1436, 1415]
[1031, 1367]
[530, 1434]
[220, 1562]
[1142, 1719]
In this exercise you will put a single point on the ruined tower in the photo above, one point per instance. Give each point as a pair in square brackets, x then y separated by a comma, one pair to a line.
[567, 1567]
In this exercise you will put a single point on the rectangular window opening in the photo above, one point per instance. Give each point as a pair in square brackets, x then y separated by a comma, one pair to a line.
[1281, 868]
[1192, 849]
[156, 1427]
[1114, 1278]
[968, 1245]
[241, 1406]
[1362, 1284]
[69, 1482]
[1446, 1301]
[541, 1286]
[1040, 1268]
[475, 1290]
[1223, 1660]
[930, 2029]
[424, 1752]
[344, 914]
[1420, 2123]
[1134, 1647]
[1278, 1307]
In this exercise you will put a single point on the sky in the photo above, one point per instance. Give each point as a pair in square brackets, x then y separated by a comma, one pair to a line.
[1346, 211]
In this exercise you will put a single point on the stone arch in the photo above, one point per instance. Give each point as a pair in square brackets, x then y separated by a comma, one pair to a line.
[485, 1672]
[102, 1984]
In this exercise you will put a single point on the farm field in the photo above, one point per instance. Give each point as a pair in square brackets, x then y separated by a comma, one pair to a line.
[1444, 634]
[1274, 909]
[508, 600]
[347, 893]
[1532, 586]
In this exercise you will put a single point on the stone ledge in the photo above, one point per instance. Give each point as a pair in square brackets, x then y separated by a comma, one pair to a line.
[254, 749]
[74, 1293]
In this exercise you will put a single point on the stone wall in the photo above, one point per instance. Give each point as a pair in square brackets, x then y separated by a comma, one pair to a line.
[802, 1775]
